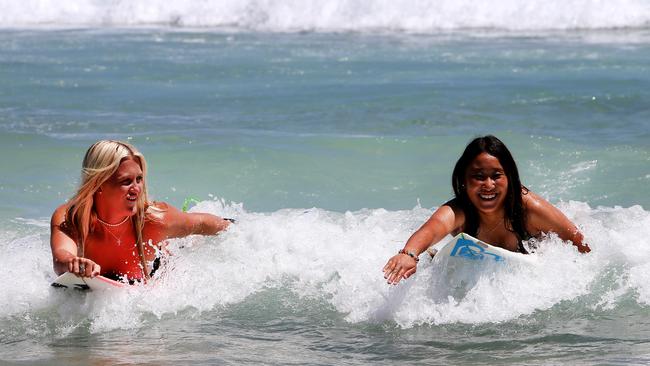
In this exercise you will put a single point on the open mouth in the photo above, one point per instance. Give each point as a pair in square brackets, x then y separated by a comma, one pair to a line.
[131, 198]
[487, 196]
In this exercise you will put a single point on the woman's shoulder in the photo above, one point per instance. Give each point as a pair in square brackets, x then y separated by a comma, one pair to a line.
[539, 211]
[455, 207]
[453, 212]
[453, 204]
[161, 213]
[58, 216]
[59, 221]
[533, 202]
[163, 220]
[156, 220]
[156, 211]
[158, 206]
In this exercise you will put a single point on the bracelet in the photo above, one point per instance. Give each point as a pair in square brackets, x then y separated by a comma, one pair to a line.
[410, 254]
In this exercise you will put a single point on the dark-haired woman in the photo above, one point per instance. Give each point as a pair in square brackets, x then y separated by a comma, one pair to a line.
[490, 204]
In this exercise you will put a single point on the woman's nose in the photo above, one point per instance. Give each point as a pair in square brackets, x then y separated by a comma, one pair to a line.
[488, 183]
[135, 188]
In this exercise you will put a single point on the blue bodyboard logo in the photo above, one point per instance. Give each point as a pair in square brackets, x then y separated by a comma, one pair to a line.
[468, 249]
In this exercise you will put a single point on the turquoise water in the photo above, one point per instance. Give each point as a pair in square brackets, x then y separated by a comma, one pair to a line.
[303, 113]
[329, 148]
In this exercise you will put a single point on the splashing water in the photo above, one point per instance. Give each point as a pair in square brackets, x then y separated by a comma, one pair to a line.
[337, 258]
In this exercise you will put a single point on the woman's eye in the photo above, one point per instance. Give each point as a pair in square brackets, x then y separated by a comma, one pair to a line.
[138, 179]
[126, 182]
[478, 176]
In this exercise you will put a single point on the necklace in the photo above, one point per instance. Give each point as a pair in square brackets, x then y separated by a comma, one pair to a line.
[118, 239]
[112, 225]
[492, 229]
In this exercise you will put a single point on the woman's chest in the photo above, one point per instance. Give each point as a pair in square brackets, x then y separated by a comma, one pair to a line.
[110, 250]
[501, 238]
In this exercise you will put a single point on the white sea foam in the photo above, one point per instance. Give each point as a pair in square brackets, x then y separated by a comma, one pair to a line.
[337, 258]
[342, 15]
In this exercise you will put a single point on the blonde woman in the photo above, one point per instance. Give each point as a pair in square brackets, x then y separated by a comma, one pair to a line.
[109, 227]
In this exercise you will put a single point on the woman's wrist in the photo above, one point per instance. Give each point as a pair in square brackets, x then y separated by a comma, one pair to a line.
[410, 253]
[63, 256]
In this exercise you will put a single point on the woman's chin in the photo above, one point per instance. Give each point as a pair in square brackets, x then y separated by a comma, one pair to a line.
[131, 209]
[488, 206]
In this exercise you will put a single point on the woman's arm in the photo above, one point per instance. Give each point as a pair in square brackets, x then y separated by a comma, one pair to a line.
[64, 250]
[179, 224]
[543, 217]
[444, 220]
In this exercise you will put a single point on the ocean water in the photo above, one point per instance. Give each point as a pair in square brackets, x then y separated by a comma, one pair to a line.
[329, 131]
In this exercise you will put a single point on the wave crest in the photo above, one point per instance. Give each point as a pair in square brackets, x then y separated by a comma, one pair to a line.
[418, 16]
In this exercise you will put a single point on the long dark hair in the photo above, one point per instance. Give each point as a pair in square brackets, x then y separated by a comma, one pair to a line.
[515, 214]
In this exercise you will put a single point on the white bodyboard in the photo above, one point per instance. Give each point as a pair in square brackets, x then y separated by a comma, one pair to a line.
[71, 281]
[464, 247]
[463, 261]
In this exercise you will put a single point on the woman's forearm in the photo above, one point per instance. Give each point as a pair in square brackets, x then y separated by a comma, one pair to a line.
[60, 259]
[210, 224]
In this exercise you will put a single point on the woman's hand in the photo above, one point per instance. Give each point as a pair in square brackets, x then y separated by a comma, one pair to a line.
[83, 267]
[400, 266]
[445, 220]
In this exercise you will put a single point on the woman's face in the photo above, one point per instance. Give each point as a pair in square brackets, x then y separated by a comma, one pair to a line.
[486, 183]
[120, 192]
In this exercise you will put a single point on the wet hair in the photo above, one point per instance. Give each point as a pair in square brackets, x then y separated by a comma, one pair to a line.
[515, 215]
[101, 161]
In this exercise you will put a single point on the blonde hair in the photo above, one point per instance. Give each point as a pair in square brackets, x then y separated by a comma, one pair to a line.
[101, 161]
